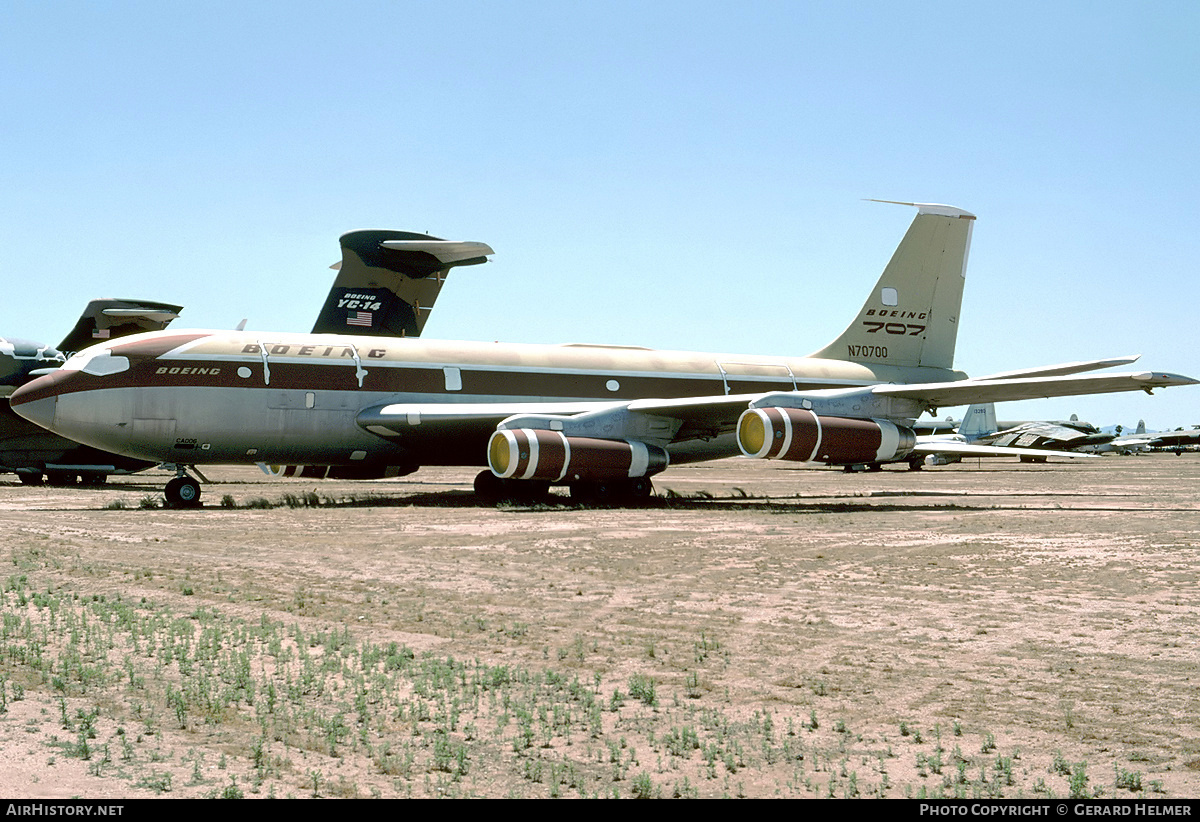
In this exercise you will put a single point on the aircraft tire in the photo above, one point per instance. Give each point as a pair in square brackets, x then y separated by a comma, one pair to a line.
[491, 488]
[488, 486]
[526, 491]
[640, 488]
[61, 478]
[93, 480]
[612, 492]
[916, 465]
[590, 493]
[182, 492]
[29, 477]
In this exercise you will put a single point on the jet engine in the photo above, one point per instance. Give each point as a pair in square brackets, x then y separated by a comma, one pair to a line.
[536, 454]
[800, 435]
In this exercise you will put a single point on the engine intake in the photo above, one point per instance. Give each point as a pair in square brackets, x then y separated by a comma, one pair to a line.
[536, 454]
[801, 436]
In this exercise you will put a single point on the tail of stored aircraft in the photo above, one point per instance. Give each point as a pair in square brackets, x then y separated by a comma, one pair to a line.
[911, 317]
[979, 420]
[108, 319]
[388, 281]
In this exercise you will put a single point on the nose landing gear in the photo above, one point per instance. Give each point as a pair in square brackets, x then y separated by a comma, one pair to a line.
[183, 491]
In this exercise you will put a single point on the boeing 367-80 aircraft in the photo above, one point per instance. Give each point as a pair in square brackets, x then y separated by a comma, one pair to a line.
[601, 419]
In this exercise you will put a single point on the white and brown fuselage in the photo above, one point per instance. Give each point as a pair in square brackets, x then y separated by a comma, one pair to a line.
[204, 397]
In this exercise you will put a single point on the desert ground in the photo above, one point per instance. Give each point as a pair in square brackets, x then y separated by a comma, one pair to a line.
[989, 629]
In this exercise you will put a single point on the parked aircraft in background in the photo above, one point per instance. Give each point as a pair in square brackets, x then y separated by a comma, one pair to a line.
[101, 320]
[601, 419]
[388, 282]
[31, 451]
[1028, 441]
[1123, 443]
[386, 285]
[1063, 436]
[1178, 440]
[1067, 435]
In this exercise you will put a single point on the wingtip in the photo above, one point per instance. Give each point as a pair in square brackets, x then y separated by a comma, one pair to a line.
[1161, 378]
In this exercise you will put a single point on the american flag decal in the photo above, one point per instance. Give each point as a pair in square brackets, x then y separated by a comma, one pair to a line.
[362, 318]
[100, 333]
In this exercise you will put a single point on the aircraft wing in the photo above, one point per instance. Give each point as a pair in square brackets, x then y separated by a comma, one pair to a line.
[702, 428]
[723, 411]
[1044, 435]
[1166, 439]
[701, 412]
[967, 449]
[1133, 441]
[965, 392]
[402, 419]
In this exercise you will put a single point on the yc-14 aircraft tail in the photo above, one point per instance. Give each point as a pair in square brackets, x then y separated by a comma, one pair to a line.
[600, 419]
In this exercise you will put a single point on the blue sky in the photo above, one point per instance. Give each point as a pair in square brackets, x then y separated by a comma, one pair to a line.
[678, 175]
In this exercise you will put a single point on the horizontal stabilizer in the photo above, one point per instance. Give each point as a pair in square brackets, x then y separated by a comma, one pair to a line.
[109, 319]
[448, 252]
[1062, 369]
[148, 314]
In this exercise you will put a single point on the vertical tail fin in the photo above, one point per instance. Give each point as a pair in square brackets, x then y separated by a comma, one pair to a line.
[108, 319]
[979, 421]
[388, 281]
[911, 317]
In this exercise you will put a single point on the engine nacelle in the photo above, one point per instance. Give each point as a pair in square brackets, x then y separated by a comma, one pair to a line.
[536, 454]
[801, 436]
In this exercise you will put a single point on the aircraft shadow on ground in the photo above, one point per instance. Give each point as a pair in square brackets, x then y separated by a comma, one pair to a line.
[560, 504]
[896, 501]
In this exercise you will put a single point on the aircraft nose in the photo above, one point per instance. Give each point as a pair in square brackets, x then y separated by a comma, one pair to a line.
[40, 412]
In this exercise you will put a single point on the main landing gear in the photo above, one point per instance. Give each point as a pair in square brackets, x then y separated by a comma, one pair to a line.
[491, 488]
[613, 492]
[862, 466]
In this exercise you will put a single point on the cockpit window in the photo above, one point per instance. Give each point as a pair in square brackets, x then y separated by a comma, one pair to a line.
[98, 363]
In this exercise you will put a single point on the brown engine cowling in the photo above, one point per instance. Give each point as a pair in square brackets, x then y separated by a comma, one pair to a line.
[802, 436]
[535, 454]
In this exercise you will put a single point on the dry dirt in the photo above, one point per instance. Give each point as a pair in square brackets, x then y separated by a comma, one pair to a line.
[986, 630]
